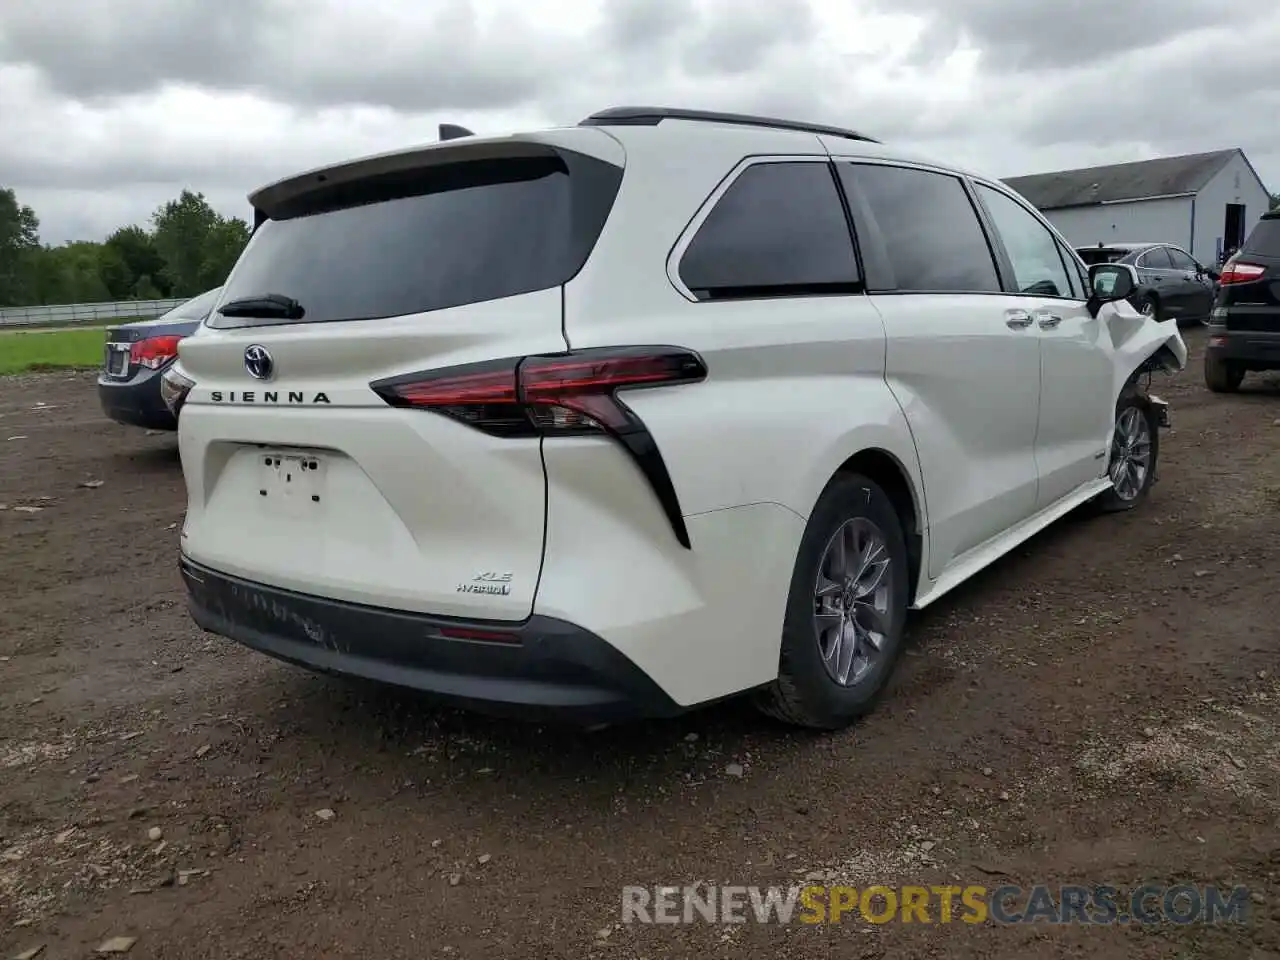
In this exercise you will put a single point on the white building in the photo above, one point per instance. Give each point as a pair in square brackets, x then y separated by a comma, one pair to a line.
[1203, 202]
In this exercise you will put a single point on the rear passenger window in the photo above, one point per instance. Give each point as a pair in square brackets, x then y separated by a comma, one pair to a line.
[1264, 239]
[927, 227]
[1157, 258]
[779, 230]
[1037, 264]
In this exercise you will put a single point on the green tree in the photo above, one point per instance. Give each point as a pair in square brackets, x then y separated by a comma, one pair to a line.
[182, 229]
[1275, 201]
[19, 243]
[221, 250]
[71, 273]
[137, 249]
[146, 289]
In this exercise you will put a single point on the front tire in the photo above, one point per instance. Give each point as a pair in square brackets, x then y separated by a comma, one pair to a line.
[1222, 376]
[846, 611]
[1135, 453]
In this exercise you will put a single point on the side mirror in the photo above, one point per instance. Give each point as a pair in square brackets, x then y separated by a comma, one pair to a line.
[1109, 282]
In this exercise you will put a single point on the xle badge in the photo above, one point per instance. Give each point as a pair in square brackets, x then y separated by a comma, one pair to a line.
[495, 584]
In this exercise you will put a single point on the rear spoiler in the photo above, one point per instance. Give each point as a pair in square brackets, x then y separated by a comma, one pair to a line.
[278, 198]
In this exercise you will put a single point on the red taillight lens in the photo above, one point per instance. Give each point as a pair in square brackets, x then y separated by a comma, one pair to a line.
[570, 393]
[1240, 272]
[154, 352]
[567, 394]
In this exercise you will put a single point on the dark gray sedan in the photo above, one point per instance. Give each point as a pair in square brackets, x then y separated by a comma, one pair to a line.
[1173, 285]
[136, 356]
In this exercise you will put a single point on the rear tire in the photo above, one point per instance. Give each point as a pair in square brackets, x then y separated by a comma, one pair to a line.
[1134, 454]
[846, 611]
[1222, 376]
[1149, 306]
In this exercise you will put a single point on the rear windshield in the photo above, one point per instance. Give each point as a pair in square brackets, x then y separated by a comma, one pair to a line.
[412, 243]
[1264, 239]
[1092, 255]
[195, 308]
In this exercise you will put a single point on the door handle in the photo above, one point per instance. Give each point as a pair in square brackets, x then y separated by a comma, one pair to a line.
[1017, 319]
[1047, 319]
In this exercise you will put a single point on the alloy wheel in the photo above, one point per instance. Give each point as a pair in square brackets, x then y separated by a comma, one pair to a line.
[1130, 453]
[852, 598]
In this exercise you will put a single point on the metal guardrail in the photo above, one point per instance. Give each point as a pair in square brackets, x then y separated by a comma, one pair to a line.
[71, 313]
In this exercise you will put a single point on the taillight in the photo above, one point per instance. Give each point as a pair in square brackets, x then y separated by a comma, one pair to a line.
[174, 387]
[154, 352]
[1240, 272]
[570, 394]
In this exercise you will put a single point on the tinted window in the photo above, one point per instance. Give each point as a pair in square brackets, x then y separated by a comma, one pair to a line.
[1180, 260]
[928, 227]
[1033, 251]
[428, 239]
[196, 308]
[778, 230]
[1157, 258]
[1264, 239]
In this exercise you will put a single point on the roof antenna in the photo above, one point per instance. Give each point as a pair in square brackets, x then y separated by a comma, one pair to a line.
[451, 131]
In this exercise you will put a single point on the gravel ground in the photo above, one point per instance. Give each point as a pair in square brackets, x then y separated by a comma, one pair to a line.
[1100, 707]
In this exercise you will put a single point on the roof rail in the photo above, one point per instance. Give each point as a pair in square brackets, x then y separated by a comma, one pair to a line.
[652, 116]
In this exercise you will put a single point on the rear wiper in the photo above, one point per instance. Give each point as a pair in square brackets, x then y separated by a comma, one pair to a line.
[265, 305]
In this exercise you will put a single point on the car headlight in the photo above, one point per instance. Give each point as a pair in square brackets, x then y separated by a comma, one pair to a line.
[174, 387]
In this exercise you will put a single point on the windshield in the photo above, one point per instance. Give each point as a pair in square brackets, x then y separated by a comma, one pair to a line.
[196, 308]
[447, 236]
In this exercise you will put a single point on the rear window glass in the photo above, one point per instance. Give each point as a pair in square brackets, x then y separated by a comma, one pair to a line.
[1264, 239]
[195, 308]
[1092, 255]
[447, 236]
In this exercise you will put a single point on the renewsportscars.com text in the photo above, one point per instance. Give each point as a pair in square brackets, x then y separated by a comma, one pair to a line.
[971, 904]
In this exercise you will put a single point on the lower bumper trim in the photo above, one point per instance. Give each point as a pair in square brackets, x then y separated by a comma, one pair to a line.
[1257, 348]
[541, 668]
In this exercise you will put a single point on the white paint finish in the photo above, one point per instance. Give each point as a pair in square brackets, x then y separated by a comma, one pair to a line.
[415, 503]
[800, 378]
[1155, 221]
[976, 445]
[702, 623]
[1077, 366]
[1234, 183]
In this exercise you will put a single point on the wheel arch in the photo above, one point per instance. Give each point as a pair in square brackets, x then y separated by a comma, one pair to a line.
[892, 476]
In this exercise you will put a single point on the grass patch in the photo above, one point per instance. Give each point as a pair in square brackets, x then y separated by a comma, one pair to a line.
[23, 352]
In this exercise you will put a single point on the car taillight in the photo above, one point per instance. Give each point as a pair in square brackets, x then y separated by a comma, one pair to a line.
[570, 394]
[154, 352]
[1240, 272]
[174, 387]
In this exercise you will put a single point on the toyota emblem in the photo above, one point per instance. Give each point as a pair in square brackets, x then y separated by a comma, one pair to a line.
[258, 362]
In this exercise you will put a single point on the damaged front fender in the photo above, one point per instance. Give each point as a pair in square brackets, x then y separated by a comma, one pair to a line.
[1141, 344]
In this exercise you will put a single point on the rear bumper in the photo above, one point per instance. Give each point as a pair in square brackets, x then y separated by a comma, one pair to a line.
[541, 668]
[1254, 347]
[136, 402]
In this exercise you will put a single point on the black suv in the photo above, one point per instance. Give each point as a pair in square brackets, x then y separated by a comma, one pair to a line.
[1244, 328]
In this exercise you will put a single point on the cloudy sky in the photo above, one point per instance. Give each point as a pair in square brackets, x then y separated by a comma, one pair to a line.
[110, 107]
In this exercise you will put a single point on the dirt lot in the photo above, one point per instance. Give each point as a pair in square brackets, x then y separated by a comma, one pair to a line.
[1102, 707]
